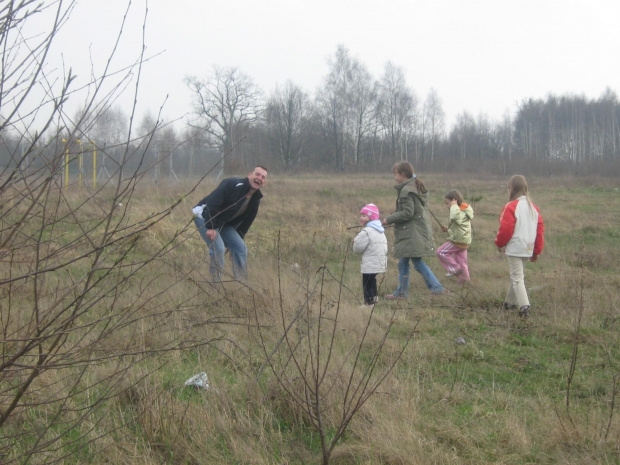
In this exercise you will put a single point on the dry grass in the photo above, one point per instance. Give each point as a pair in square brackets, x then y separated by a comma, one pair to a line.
[499, 399]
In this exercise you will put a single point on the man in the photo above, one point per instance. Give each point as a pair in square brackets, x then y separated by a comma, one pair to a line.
[223, 218]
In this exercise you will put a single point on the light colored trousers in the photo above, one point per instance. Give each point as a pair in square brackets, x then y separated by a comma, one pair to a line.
[517, 295]
[454, 260]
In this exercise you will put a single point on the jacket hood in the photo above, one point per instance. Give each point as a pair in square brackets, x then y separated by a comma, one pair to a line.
[400, 186]
[411, 188]
[375, 224]
[466, 208]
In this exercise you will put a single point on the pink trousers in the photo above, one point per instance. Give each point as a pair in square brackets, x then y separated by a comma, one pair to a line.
[454, 260]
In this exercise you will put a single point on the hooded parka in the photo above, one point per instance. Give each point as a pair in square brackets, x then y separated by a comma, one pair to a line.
[459, 228]
[413, 233]
[372, 244]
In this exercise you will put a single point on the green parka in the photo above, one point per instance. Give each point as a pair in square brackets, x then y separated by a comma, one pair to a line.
[413, 232]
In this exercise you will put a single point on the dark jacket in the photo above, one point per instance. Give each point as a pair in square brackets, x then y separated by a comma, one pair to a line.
[413, 232]
[221, 205]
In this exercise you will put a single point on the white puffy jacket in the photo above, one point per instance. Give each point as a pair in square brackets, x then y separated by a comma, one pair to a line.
[372, 244]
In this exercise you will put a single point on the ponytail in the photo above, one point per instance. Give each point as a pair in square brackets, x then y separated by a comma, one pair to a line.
[419, 185]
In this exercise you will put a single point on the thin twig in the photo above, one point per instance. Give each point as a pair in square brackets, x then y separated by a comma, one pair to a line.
[361, 226]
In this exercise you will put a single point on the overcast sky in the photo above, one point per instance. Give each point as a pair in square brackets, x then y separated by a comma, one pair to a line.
[481, 56]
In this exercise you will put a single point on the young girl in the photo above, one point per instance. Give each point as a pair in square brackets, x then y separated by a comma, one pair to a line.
[520, 237]
[413, 233]
[453, 254]
[371, 243]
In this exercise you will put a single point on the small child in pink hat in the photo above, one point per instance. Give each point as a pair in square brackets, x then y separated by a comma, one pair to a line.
[371, 243]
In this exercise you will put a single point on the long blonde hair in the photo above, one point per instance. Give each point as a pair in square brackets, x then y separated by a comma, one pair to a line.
[518, 188]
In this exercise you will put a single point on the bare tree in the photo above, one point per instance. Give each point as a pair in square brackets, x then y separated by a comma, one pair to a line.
[332, 106]
[224, 104]
[326, 373]
[71, 323]
[286, 115]
[345, 106]
[528, 128]
[164, 141]
[434, 120]
[396, 109]
[464, 134]
[363, 105]
[110, 127]
[610, 125]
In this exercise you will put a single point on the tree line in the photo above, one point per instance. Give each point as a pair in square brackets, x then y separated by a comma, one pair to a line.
[355, 122]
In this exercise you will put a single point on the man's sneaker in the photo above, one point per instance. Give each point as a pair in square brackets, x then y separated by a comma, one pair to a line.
[524, 311]
[507, 306]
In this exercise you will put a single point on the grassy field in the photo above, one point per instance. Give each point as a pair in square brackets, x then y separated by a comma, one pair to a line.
[291, 356]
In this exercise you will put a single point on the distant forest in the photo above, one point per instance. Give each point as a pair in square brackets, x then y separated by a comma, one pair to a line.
[352, 123]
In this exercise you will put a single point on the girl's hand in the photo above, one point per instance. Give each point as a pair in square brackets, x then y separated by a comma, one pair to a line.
[534, 258]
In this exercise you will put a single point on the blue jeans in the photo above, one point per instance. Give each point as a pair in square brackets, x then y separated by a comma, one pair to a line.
[227, 238]
[431, 281]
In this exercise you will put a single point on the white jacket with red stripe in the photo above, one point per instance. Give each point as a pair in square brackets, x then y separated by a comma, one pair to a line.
[521, 229]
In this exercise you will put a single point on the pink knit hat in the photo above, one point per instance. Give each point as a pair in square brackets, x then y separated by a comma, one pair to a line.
[371, 210]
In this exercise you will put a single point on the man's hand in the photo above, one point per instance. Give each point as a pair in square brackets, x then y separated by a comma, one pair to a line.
[212, 234]
[534, 258]
[444, 229]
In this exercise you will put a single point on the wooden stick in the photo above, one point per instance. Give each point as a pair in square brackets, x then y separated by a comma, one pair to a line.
[360, 226]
